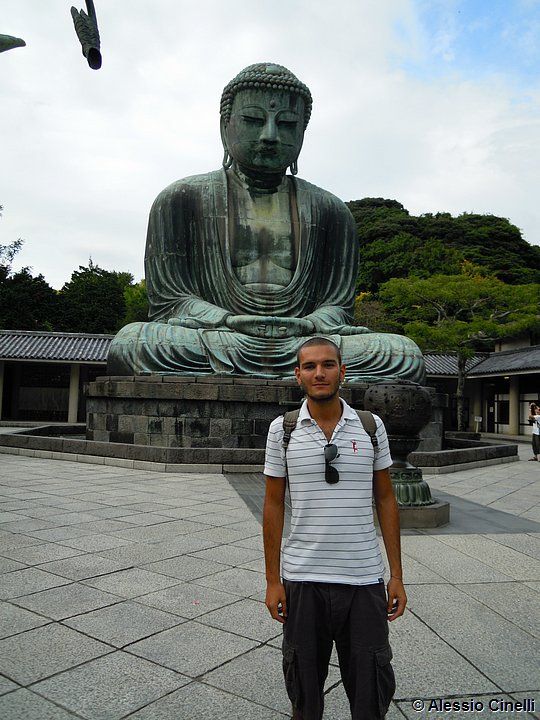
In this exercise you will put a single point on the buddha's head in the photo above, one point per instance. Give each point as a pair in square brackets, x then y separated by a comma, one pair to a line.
[264, 112]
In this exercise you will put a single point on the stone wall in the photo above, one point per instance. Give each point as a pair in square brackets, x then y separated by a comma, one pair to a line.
[192, 412]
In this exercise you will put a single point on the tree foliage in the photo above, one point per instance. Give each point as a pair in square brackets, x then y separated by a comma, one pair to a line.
[136, 299]
[93, 300]
[394, 243]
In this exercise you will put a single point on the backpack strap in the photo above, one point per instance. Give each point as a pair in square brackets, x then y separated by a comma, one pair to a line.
[289, 423]
[370, 426]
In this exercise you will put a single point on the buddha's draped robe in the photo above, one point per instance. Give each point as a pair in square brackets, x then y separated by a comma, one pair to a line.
[189, 275]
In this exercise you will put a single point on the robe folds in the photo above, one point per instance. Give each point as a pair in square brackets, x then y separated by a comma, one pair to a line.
[190, 279]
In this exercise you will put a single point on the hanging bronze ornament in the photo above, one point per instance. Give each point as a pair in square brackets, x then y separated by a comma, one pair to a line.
[7, 42]
[88, 33]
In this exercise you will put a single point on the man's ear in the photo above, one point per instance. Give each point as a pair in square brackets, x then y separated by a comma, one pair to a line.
[342, 373]
[297, 374]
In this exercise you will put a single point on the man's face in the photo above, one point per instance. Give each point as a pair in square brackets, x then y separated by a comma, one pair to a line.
[266, 129]
[320, 373]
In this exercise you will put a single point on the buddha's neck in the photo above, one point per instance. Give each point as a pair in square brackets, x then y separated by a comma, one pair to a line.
[259, 184]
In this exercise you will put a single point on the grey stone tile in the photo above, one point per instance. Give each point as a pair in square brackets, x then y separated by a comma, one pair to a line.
[66, 601]
[95, 543]
[7, 685]
[222, 535]
[248, 618]
[45, 552]
[133, 582]
[30, 580]
[204, 703]
[104, 526]
[85, 566]
[258, 676]
[235, 580]
[14, 620]
[470, 627]
[123, 623]
[144, 553]
[26, 705]
[514, 601]
[145, 507]
[513, 564]
[60, 533]
[191, 648]
[252, 543]
[8, 565]
[419, 655]
[38, 653]
[229, 554]
[10, 541]
[163, 531]
[445, 560]
[224, 517]
[110, 687]
[188, 600]
[26, 525]
[143, 519]
[185, 567]
[415, 572]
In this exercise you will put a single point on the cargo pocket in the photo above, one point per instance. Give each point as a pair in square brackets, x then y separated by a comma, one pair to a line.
[386, 682]
[290, 672]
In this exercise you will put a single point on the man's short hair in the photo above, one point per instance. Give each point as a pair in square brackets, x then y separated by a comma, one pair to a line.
[318, 341]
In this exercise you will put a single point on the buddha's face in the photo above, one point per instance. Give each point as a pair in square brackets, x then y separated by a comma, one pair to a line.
[266, 130]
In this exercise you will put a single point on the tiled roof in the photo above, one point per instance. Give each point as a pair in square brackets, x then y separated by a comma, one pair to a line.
[53, 346]
[446, 363]
[509, 361]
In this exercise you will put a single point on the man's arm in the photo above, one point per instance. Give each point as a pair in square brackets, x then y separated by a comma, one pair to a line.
[388, 514]
[273, 512]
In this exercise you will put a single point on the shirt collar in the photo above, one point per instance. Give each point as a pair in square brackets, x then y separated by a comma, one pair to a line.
[347, 412]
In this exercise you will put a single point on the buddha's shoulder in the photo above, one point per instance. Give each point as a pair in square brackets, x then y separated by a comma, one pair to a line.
[321, 196]
[190, 186]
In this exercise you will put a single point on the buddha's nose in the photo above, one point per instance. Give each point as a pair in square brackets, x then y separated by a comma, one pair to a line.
[269, 131]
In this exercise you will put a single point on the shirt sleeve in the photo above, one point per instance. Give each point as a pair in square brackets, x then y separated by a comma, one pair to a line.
[274, 461]
[382, 458]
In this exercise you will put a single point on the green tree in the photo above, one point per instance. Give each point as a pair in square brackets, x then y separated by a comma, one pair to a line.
[394, 243]
[93, 300]
[136, 299]
[461, 313]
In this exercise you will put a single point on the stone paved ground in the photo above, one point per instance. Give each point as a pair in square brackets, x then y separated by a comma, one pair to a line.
[130, 594]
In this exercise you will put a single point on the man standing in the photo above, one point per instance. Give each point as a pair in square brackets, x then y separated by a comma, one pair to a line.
[330, 588]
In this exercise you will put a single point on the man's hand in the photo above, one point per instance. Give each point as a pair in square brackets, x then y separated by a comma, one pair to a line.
[268, 326]
[276, 601]
[397, 599]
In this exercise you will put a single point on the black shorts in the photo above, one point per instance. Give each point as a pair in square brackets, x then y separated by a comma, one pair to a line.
[355, 618]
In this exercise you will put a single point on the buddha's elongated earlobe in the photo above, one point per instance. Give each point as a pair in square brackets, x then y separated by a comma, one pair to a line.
[294, 167]
[227, 159]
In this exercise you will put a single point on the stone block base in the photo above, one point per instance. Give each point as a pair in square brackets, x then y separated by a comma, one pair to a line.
[425, 516]
[200, 412]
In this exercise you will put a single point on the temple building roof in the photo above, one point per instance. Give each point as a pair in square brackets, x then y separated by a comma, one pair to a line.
[43, 346]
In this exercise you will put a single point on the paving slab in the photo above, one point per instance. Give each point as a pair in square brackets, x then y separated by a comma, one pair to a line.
[36, 654]
[123, 623]
[132, 582]
[66, 601]
[188, 600]
[514, 564]
[185, 567]
[191, 648]
[470, 627]
[26, 705]
[7, 685]
[8, 565]
[514, 601]
[247, 618]
[30, 580]
[452, 564]
[110, 687]
[205, 703]
[229, 554]
[80, 567]
[95, 543]
[45, 552]
[235, 580]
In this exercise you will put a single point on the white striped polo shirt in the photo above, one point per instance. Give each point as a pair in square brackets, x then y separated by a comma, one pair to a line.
[333, 536]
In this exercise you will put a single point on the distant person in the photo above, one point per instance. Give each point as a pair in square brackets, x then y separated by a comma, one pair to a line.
[534, 419]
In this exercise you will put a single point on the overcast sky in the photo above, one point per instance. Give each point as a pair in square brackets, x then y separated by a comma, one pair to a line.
[435, 103]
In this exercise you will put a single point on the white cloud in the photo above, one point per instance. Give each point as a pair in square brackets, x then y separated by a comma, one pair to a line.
[84, 153]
